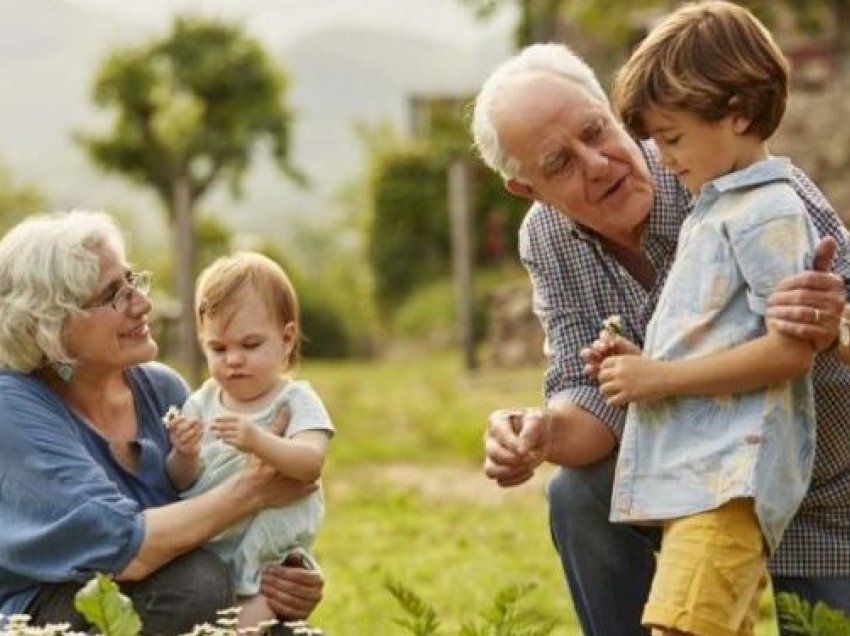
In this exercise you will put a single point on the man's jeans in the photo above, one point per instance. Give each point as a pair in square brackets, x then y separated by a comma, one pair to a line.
[609, 567]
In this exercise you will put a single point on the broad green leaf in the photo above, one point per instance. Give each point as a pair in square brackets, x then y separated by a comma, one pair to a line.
[105, 607]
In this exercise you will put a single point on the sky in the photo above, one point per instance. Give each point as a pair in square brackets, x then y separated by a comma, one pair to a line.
[283, 19]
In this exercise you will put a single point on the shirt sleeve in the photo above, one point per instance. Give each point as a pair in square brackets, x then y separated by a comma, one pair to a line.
[308, 411]
[566, 327]
[62, 518]
[825, 220]
[780, 244]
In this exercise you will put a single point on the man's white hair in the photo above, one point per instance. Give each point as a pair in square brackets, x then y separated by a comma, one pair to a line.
[49, 269]
[557, 59]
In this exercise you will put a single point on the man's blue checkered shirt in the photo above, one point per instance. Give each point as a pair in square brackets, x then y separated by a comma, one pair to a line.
[577, 284]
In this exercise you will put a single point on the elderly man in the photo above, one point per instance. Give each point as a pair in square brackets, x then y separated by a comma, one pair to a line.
[599, 240]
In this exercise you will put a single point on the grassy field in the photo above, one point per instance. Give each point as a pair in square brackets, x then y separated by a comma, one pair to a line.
[406, 500]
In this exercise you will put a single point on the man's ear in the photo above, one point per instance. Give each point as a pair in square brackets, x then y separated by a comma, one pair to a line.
[519, 189]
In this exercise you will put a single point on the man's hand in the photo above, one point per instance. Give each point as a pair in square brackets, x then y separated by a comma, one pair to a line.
[631, 378]
[808, 306]
[291, 591]
[516, 443]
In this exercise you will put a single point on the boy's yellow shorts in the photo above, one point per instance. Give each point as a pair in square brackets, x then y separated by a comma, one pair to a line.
[711, 572]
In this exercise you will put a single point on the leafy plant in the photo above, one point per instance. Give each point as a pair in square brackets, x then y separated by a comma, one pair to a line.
[801, 617]
[504, 618]
[105, 607]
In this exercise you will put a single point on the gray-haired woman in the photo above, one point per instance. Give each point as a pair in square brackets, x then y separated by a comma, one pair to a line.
[83, 481]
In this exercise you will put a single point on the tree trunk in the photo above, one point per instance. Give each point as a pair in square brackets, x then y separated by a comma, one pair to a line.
[189, 355]
[841, 13]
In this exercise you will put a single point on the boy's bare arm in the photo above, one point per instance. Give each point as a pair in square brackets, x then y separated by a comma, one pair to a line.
[300, 457]
[753, 365]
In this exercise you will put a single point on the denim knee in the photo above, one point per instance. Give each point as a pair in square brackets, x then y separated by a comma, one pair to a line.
[187, 591]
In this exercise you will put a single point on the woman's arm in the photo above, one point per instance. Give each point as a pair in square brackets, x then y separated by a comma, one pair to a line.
[176, 528]
[752, 365]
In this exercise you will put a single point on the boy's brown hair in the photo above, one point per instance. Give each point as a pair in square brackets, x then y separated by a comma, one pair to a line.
[712, 59]
[229, 279]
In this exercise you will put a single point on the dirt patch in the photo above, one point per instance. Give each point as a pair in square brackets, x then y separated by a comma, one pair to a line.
[445, 482]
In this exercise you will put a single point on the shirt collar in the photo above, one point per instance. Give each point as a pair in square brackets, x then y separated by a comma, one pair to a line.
[759, 173]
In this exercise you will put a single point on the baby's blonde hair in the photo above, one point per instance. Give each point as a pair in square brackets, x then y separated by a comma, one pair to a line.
[229, 279]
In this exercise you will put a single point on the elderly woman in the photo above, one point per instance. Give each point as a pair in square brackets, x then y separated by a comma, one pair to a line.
[83, 482]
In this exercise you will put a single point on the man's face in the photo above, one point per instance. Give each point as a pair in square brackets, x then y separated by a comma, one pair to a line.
[574, 156]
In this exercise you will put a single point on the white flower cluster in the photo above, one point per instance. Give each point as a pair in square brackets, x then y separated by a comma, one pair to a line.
[225, 625]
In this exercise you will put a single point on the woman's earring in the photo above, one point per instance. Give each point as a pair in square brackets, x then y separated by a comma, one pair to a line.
[65, 371]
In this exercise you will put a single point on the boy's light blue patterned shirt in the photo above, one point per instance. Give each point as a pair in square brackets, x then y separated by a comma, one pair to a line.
[685, 455]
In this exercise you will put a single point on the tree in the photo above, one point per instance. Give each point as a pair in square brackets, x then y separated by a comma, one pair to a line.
[547, 20]
[17, 200]
[189, 110]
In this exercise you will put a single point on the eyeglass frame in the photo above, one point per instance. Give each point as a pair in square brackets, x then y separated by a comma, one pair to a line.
[134, 282]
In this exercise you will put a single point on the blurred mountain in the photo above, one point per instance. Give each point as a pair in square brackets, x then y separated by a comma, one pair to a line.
[342, 70]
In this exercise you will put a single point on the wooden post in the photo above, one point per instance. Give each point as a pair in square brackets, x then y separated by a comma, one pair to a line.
[462, 261]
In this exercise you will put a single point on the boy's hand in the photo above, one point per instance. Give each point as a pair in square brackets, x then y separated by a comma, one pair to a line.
[631, 378]
[236, 431]
[186, 435]
[605, 346]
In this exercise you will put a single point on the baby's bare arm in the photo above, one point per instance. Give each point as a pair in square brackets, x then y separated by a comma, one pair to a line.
[298, 457]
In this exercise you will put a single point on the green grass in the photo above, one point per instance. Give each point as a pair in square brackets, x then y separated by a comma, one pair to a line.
[406, 499]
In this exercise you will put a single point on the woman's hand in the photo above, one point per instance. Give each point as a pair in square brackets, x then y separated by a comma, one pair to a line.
[292, 592]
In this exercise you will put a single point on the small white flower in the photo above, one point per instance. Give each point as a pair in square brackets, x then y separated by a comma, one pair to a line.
[171, 414]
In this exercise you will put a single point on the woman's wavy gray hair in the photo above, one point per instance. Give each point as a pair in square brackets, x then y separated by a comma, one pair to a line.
[49, 269]
[557, 59]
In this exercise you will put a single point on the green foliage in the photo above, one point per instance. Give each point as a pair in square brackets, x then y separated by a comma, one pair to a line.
[192, 104]
[409, 235]
[421, 617]
[17, 200]
[428, 314]
[506, 617]
[818, 620]
[105, 607]
[325, 332]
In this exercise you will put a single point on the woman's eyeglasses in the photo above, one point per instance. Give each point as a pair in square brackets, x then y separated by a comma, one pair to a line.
[120, 297]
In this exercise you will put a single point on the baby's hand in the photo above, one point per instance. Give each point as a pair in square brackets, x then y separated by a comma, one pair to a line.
[186, 435]
[236, 431]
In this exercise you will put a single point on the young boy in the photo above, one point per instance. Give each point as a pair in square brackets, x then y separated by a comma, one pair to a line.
[247, 316]
[723, 474]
